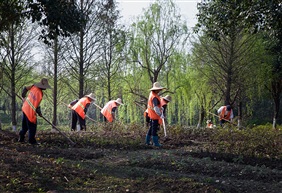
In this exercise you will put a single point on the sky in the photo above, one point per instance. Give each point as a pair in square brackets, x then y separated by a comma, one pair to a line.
[130, 9]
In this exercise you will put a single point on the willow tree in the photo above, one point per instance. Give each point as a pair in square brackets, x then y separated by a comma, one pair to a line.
[156, 37]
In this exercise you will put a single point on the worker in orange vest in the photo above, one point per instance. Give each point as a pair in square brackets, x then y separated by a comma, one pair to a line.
[30, 108]
[79, 110]
[209, 124]
[108, 111]
[155, 113]
[225, 114]
[164, 101]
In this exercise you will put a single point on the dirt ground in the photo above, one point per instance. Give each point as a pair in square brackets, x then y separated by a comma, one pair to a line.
[112, 161]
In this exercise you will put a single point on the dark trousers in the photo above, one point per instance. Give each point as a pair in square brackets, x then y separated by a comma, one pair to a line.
[30, 127]
[154, 127]
[105, 119]
[74, 118]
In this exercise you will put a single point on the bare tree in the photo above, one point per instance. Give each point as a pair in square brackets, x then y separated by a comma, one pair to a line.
[112, 45]
[226, 64]
[82, 49]
[16, 58]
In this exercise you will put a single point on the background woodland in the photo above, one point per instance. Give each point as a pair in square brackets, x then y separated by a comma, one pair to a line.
[232, 56]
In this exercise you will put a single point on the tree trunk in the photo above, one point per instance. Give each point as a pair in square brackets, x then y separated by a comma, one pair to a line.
[276, 91]
[239, 114]
[13, 84]
[81, 69]
[201, 117]
[109, 86]
[81, 59]
[55, 90]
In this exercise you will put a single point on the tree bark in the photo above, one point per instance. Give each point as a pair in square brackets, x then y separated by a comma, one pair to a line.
[276, 92]
[13, 84]
[55, 90]
[201, 117]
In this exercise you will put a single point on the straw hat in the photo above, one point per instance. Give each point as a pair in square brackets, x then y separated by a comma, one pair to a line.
[209, 121]
[157, 86]
[119, 101]
[91, 95]
[43, 84]
[167, 98]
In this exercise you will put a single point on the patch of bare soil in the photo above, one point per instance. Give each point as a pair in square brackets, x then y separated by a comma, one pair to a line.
[114, 162]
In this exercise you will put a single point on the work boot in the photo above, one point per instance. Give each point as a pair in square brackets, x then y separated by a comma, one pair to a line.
[35, 144]
[156, 141]
[148, 140]
[33, 141]
[83, 127]
[21, 139]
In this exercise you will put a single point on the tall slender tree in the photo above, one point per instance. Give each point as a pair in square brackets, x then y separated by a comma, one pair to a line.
[82, 50]
[15, 55]
[111, 52]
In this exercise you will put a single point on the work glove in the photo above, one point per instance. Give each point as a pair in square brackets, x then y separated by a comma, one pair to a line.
[38, 111]
[162, 116]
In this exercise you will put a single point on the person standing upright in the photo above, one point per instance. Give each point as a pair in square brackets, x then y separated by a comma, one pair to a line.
[79, 110]
[155, 114]
[225, 114]
[164, 101]
[30, 108]
[108, 111]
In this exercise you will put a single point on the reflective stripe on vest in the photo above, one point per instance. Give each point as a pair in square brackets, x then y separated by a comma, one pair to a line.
[80, 106]
[30, 104]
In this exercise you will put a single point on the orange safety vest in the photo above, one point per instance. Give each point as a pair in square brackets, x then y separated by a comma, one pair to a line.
[107, 110]
[31, 103]
[151, 113]
[209, 125]
[222, 114]
[80, 106]
[163, 102]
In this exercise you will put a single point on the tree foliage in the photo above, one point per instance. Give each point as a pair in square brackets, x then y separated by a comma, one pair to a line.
[53, 16]
[219, 19]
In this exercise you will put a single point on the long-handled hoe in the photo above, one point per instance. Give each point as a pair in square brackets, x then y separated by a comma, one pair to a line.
[73, 143]
[164, 126]
[224, 119]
